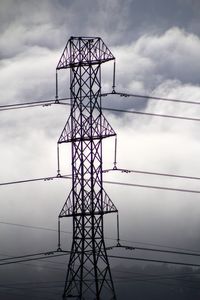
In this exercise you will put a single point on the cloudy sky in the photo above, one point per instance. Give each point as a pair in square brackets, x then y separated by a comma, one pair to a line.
[156, 44]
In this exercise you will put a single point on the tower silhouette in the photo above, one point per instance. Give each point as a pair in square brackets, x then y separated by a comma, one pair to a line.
[88, 274]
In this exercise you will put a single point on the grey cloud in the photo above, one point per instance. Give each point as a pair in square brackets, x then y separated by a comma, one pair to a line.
[153, 56]
[30, 75]
[165, 65]
[48, 23]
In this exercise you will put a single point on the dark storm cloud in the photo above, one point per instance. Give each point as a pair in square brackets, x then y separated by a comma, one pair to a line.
[157, 48]
[50, 23]
[33, 31]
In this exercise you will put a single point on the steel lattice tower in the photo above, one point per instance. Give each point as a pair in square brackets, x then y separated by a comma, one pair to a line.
[88, 274]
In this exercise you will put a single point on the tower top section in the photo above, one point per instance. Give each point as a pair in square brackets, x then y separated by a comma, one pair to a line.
[84, 51]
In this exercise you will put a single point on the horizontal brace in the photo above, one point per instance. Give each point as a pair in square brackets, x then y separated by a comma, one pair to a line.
[88, 214]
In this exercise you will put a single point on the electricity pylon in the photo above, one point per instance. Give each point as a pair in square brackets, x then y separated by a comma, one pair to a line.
[88, 275]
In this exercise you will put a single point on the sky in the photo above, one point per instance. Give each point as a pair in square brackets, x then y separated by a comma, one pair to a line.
[156, 44]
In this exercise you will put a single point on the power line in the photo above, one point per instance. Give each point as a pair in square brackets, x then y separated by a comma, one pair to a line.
[52, 101]
[117, 110]
[141, 275]
[32, 180]
[158, 245]
[111, 256]
[151, 114]
[27, 106]
[31, 226]
[49, 102]
[153, 187]
[155, 260]
[33, 103]
[108, 182]
[148, 276]
[25, 258]
[33, 265]
[157, 187]
[146, 279]
[44, 255]
[28, 180]
[122, 94]
[28, 255]
[151, 97]
[108, 238]
[155, 250]
[47, 285]
[152, 173]
[137, 276]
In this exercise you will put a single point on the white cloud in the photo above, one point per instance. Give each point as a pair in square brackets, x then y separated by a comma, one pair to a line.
[144, 143]
[30, 74]
[167, 66]
[153, 59]
[33, 35]
[164, 65]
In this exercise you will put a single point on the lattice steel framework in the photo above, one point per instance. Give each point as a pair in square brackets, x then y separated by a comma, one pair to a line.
[88, 274]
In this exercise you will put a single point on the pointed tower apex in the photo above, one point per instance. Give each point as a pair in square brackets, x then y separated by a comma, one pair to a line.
[86, 51]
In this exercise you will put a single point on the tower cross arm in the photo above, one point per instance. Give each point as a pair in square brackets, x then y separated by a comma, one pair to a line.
[80, 51]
